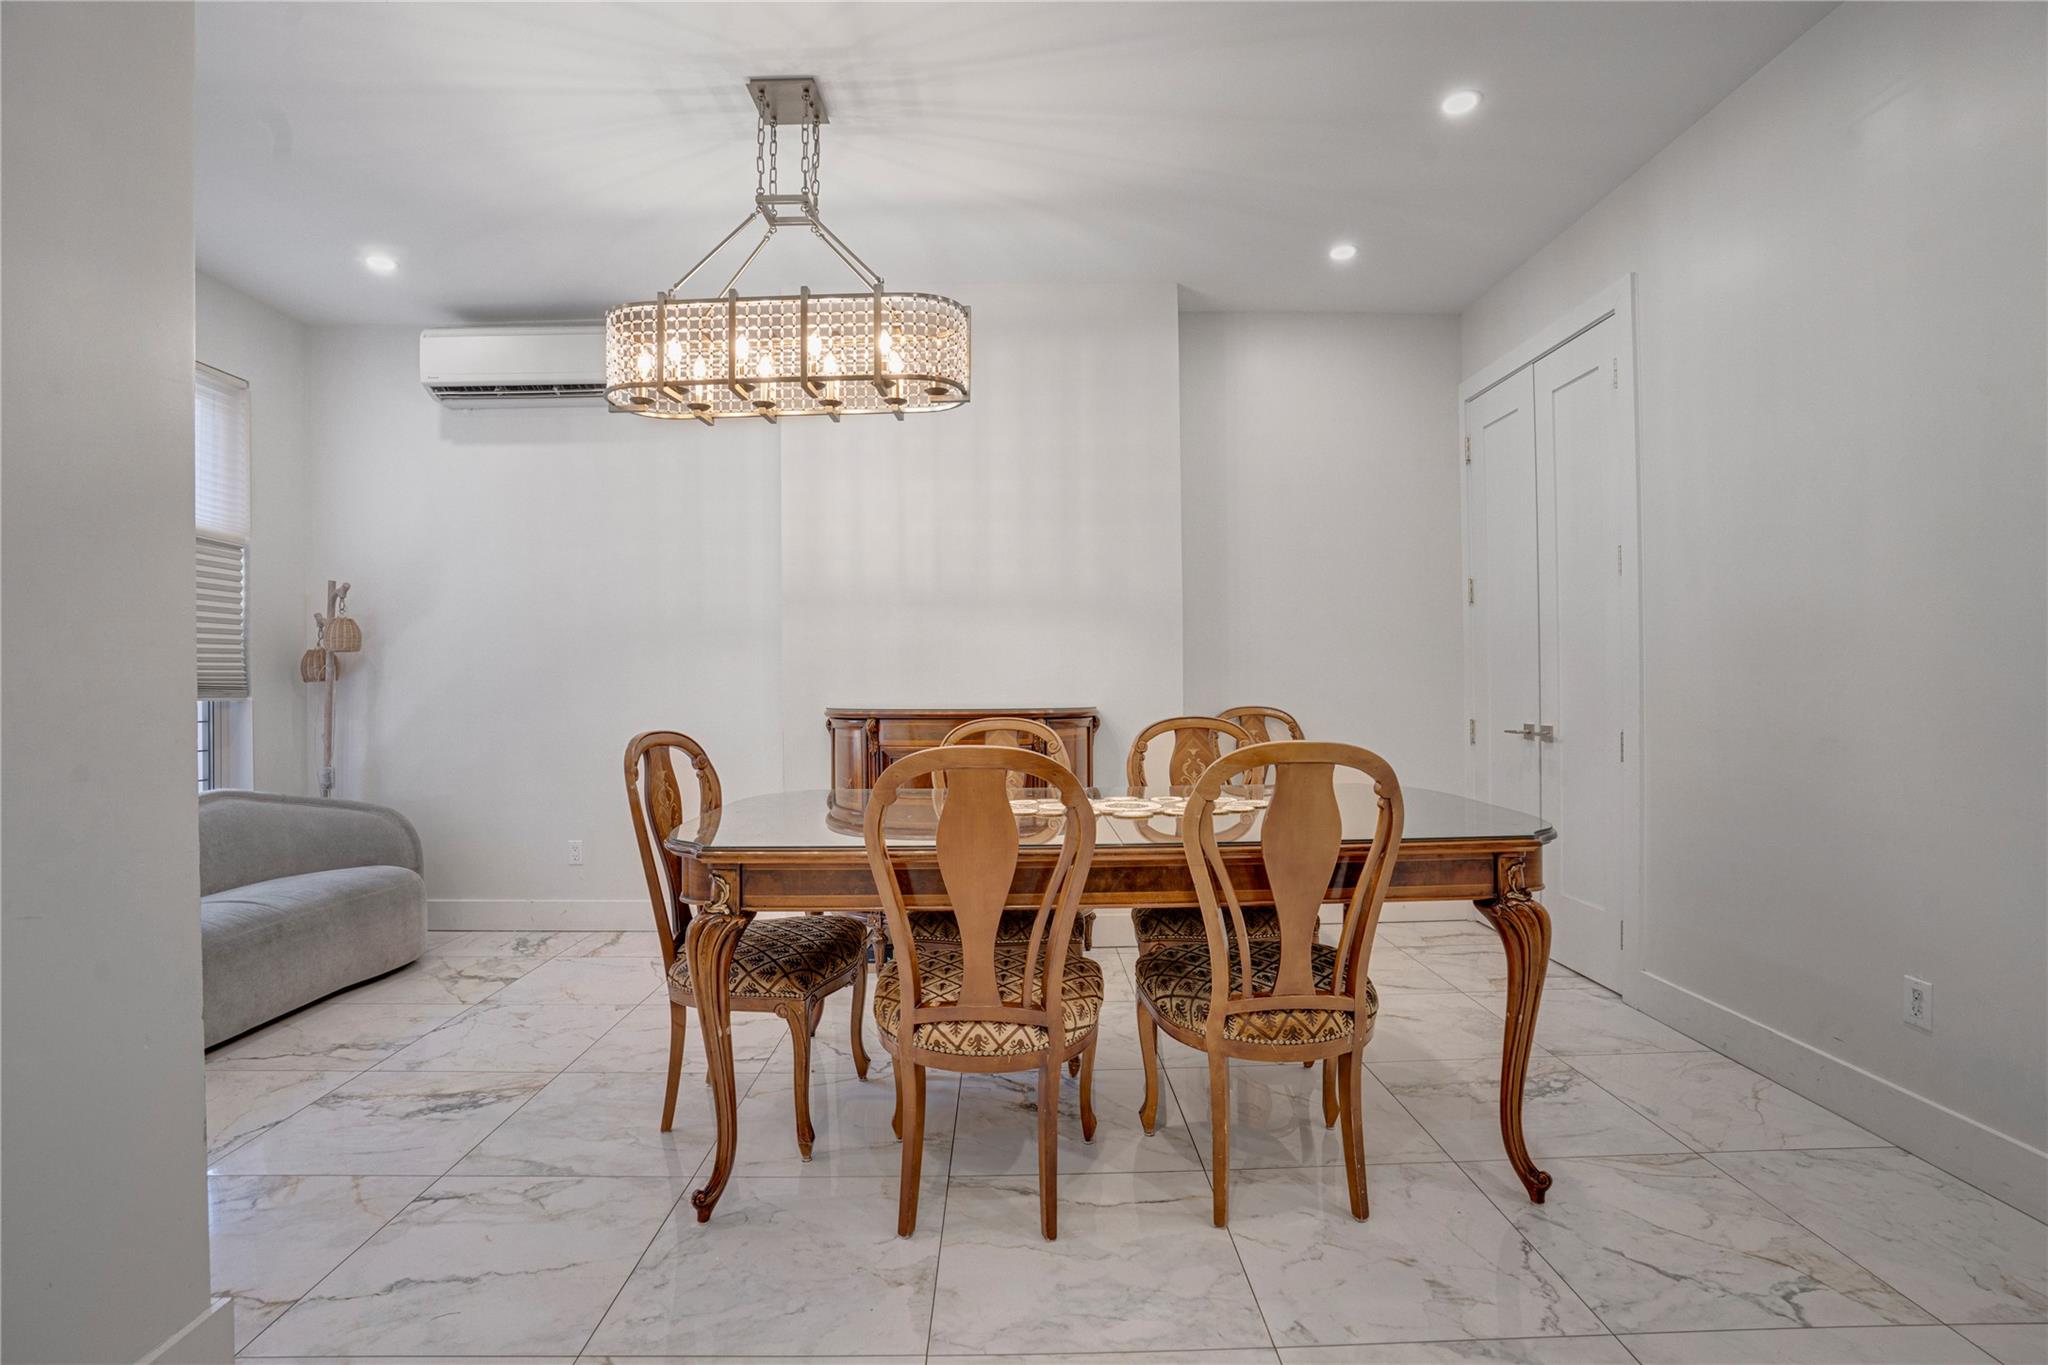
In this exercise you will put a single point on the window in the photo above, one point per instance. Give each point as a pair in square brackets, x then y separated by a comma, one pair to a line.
[220, 516]
[209, 741]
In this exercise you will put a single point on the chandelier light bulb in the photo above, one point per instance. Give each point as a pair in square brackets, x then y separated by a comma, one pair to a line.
[739, 346]
[698, 369]
[814, 343]
[644, 362]
[763, 367]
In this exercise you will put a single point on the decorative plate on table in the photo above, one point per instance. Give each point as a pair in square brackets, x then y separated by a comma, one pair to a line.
[1130, 807]
[1025, 805]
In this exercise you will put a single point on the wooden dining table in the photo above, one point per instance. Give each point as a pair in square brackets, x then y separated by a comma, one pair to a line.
[802, 851]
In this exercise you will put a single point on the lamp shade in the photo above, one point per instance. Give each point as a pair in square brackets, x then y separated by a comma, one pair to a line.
[343, 635]
[313, 666]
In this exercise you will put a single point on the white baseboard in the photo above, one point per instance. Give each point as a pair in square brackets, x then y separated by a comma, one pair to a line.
[208, 1339]
[537, 915]
[1998, 1164]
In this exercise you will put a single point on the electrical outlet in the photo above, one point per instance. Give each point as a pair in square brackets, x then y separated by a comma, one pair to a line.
[1919, 1004]
[575, 853]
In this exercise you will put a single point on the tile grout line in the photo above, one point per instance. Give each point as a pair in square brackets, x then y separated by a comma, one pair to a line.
[338, 1264]
[1534, 1250]
[1637, 1109]
[597, 1324]
[250, 1137]
[1794, 1219]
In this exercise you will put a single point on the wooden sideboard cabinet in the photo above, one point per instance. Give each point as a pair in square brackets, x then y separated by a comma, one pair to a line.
[866, 740]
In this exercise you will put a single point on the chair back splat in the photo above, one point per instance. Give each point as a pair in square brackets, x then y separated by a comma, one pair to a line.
[1020, 733]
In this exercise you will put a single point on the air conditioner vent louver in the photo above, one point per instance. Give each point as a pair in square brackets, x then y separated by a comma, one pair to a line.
[518, 390]
[545, 364]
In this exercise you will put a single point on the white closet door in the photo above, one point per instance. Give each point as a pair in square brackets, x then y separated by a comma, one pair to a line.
[1584, 450]
[1501, 425]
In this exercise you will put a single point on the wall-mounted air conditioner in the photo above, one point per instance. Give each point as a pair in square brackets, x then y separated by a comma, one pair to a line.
[529, 364]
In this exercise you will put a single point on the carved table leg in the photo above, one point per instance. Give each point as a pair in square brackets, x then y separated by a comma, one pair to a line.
[1524, 928]
[713, 937]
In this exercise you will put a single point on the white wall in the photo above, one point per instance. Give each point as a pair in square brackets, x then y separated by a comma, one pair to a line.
[105, 1248]
[1023, 549]
[1841, 354]
[254, 341]
[1320, 516]
[534, 587]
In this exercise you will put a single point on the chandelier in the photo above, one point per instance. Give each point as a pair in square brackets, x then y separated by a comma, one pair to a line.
[800, 355]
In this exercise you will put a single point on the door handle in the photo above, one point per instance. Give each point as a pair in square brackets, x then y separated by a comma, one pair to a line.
[1528, 730]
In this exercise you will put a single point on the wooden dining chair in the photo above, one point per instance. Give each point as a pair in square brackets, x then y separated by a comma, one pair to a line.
[1291, 999]
[1198, 741]
[982, 1005]
[784, 965]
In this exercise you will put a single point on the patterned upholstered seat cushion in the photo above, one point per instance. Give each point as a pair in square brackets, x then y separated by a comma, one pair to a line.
[1183, 924]
[787, 957]
[939, 926]
[1175, 978]
[1080, 1004]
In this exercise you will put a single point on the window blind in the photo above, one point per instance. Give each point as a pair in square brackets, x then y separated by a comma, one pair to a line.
[220, 515]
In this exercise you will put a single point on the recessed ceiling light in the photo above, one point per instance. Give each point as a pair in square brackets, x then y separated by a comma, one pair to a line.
[1343, 251]
[377, 263]
[1459, 103]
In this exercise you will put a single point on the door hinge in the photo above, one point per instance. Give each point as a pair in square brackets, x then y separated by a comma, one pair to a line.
[1617, 561]
[1468, 450]
[1472, 731]
[1623, 751]
[1469, 591]
[1617, 373]
[1623, 926]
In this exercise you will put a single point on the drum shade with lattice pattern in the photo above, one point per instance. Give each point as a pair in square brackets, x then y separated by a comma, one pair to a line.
[802, 355]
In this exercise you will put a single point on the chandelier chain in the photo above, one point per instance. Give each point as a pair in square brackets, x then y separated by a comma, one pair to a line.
[761, 155]
[814, 145]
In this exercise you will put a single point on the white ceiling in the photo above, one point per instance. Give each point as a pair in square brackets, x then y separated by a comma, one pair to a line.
[544, 160]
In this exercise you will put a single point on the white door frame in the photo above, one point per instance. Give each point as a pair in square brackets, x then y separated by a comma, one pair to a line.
[1616, 301]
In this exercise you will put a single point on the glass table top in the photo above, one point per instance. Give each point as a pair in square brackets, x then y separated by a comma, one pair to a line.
[823, 819]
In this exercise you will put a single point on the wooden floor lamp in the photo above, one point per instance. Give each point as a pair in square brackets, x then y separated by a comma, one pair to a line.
[338, 634]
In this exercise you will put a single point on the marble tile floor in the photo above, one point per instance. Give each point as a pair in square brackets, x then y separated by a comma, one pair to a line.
[460, 1162]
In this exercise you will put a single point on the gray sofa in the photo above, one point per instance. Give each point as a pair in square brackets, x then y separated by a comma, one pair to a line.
[300, 898]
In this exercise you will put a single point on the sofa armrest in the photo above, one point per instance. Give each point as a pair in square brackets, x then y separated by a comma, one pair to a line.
[247, 837]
